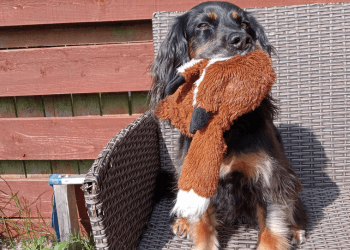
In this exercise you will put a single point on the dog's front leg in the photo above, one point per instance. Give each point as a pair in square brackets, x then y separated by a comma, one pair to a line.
[202, 230]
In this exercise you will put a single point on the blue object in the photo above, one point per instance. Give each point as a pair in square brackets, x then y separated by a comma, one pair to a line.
[55, 179]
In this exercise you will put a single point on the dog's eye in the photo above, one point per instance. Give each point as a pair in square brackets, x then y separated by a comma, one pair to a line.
[244, 25]
[203, 26]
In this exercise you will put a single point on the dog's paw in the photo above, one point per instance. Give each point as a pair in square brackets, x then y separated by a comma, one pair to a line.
[298, 237]
[181, 228]
[273, 241]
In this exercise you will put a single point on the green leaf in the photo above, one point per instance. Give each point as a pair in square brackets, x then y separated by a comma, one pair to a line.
[62, 245]
[34, 247]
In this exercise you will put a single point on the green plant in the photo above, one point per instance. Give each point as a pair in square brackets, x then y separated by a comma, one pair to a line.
[16, 220]
[44, 243]
[82, 243]
[20, 230]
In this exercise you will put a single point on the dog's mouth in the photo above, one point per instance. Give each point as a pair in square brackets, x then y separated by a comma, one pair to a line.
[222, 50]
[228, 52]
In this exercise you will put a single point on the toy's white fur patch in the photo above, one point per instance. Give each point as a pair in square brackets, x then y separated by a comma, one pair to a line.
[187, 65]
[190, 205]
[198, 82]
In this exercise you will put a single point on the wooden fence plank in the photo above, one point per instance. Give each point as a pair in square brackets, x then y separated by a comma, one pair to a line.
[84, 166]
[75, 34]
[38, 169]
[65, 167]
[58, 105]
[76, 69]
[58, 138]
[12, 169]
[86, 104]
[30, 106]
[139, 102]
[7, 107]
[24, 12]
[114, 103]
[66, 206]
[55, 106]
[37, 192]
[33, 106]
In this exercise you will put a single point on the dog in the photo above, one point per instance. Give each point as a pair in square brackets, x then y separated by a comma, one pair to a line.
[256, 180]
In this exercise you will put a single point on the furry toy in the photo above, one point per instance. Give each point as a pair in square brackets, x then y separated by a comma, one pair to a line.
[204, 100]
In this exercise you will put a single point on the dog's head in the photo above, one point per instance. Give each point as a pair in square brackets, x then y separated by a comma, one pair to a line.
[209, 30]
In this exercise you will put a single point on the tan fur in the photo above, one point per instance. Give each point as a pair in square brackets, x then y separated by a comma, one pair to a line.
[270, 241]
[294, 230]
[200, 49]
[244, 163]
[261, 220]
[203, 232]
[235, 15]
[181, 227]
[212, 15]
[229, 89]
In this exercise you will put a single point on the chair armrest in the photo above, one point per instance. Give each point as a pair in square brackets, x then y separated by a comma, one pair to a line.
[119, 186]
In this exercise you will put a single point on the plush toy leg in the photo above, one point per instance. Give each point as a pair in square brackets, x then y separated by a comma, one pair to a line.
[201, 167]
[199, 118]
[190, 205]
[200, 172]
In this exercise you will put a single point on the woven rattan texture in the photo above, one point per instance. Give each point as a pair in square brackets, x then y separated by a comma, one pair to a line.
[168, 136]
[327, 231]
[120, 184]
[313, 90]
[313, 87]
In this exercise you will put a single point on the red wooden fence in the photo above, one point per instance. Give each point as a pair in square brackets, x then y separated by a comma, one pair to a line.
[76, 69]
[24, 12]
[59, 137]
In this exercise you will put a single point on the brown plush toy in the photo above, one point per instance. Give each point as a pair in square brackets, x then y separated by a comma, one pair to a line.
[205, 99]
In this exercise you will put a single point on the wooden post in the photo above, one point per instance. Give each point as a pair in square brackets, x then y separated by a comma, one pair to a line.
[67, 214]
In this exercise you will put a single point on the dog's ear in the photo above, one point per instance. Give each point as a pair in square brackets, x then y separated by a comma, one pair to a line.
[258, 34]
[173, 52]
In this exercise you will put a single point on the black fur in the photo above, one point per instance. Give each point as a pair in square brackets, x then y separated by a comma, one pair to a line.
[195, 35]
[172, 54]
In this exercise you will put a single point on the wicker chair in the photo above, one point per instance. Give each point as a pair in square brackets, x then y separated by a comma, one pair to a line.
[313, 43]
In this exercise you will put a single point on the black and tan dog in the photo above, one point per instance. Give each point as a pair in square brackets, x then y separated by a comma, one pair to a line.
[256, 180]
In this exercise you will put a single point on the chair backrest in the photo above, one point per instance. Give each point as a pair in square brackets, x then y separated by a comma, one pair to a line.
[313, 87]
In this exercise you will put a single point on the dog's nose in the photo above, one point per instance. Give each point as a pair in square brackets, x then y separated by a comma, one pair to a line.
[240, 40]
